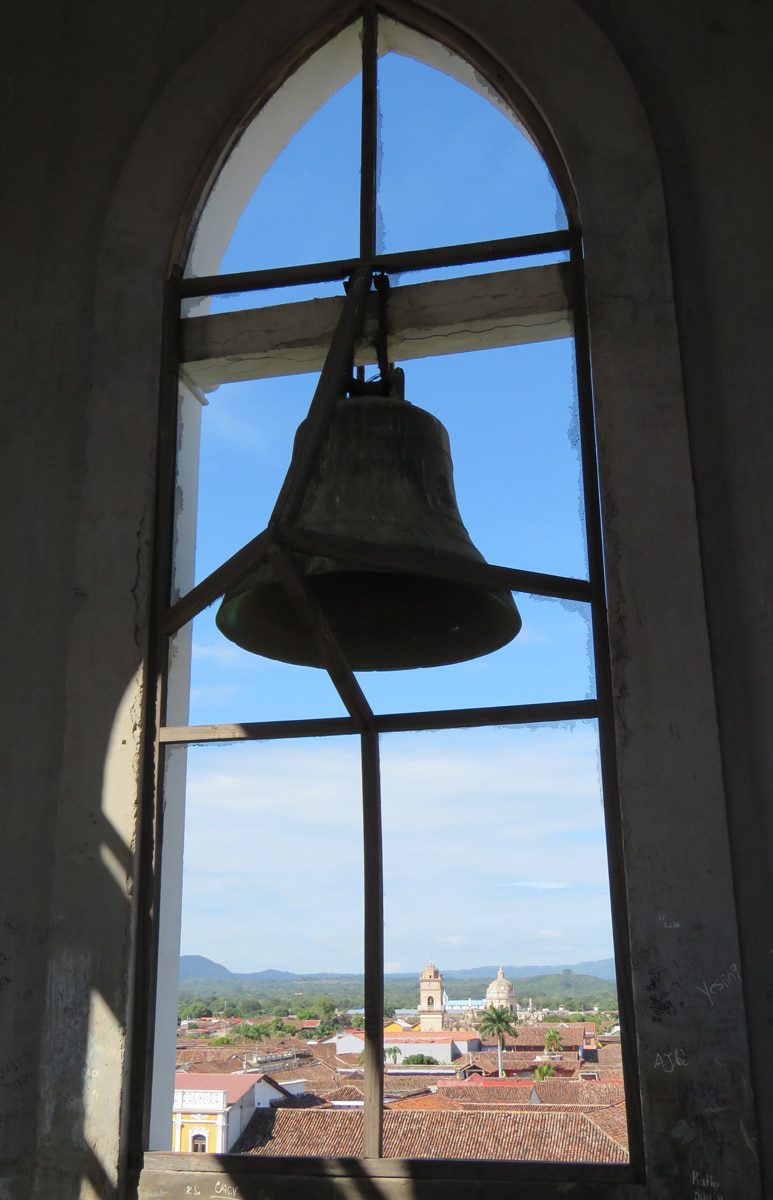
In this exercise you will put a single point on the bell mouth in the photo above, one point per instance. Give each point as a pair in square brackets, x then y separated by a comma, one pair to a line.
[382, 621]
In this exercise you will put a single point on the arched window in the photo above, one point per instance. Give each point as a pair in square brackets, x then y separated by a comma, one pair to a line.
[198, 1143]
[494, 305]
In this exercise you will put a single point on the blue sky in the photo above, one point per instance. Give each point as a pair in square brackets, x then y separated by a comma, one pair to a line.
[493, 839]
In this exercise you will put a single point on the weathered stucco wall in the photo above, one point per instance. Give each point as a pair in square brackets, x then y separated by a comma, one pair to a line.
[703, 72]
[109, 113]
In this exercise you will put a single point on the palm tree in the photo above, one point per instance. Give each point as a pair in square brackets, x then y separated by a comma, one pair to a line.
[393, 1052]
[499, 1022]
[544, 1071]
[553, 1042]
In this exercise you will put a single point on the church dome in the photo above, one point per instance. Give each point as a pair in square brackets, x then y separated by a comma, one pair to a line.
[500, 993]
[430, 972]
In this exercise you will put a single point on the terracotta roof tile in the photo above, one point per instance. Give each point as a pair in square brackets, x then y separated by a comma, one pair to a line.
[499, 1094]
[571, 1091]
[210, 1064]
[307, 1100]
[613, 1122]
[532, 1037]
[527, 1135]
[425, 1101]
[235, 1086]
[345, 1060]
[320, 1080]
[347, 1091]
[514, 1060]
[399, 1085]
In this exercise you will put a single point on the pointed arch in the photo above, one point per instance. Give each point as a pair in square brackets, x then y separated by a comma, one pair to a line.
[260, 141]
[261, 137]
[550, 56]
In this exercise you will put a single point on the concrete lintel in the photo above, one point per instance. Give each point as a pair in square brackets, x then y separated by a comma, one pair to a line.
[477, 312]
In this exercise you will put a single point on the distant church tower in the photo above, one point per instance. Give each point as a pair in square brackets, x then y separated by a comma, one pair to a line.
[431, 1004]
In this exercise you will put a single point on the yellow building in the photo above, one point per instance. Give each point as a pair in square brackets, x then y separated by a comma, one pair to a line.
[400, 1027]
[211, 1110]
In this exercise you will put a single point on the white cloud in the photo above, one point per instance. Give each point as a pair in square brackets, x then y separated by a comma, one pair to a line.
[274, 846]
[453, 941]
[545, 886]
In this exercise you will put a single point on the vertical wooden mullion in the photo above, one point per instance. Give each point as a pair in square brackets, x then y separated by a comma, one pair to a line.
[369, 743]
[374, 945]
[369, 131]
[155, 667]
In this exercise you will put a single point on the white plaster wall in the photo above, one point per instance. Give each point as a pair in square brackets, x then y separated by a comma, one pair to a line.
[239, 1116]
[444, 1052]
[170, 902]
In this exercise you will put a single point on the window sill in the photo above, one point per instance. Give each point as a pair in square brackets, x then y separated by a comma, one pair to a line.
[168, 1176]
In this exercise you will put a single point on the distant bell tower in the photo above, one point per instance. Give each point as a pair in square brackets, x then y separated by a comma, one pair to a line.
[431, 1006]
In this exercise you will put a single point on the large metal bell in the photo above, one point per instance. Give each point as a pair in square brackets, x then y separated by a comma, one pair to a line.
[384, 476]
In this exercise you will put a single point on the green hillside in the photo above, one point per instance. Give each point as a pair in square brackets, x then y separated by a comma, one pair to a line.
[291, 993]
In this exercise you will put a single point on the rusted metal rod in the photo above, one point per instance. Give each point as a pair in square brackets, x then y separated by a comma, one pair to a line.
[315, 621]
[210, 589]
[399, 262]
[413, 561]
[310, 436]
[409, 722]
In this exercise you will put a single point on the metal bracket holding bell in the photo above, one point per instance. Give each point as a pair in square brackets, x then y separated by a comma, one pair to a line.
[391, 379]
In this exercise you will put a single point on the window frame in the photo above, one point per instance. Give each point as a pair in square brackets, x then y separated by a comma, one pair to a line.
[171, 617]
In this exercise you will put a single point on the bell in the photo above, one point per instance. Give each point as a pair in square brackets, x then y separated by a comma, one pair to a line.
[383, 476]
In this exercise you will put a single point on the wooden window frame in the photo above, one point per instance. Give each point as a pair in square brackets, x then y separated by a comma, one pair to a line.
[541, 302]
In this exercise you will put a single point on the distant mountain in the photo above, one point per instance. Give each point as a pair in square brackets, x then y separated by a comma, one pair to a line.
[602, 968]
[196, 966]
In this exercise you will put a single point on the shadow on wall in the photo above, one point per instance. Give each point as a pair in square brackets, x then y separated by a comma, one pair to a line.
[248, 1178]
[66, 968]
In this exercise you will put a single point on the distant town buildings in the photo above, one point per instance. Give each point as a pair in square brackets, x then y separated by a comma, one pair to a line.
[450, 1103]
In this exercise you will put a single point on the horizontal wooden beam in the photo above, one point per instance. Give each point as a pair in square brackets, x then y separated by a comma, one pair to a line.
[450, 316]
